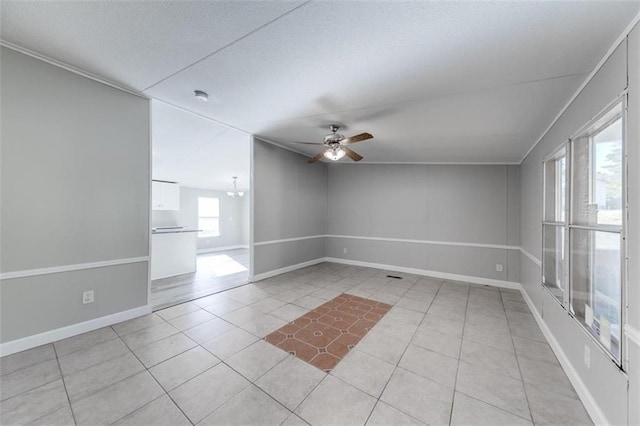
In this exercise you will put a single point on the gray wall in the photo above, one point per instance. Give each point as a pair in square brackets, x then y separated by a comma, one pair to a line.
[75, 189]
[603, 380]
[234, 217]
[290, 201]
[432, 203]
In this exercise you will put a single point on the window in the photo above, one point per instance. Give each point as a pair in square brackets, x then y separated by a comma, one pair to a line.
[596, 229]
[208, 217]
[589, 212]
[554, 257]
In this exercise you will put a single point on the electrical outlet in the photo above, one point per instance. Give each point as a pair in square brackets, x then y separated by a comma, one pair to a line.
[587, 357]
[87, 297]
[344, 250]
[499, 267]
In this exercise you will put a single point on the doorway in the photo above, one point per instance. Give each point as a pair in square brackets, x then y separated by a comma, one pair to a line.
[200, 207]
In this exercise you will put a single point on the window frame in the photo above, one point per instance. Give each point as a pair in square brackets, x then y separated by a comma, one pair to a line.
[620, 230]
[566, 147]
[566, 304]
[203, 234]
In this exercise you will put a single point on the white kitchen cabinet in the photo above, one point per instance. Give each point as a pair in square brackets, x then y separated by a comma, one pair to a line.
[173, 253]
[165, 195]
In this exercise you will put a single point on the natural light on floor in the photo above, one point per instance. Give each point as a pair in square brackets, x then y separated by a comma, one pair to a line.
[219, 265]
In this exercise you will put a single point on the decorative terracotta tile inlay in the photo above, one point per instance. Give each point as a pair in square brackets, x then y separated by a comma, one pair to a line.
[323, 336]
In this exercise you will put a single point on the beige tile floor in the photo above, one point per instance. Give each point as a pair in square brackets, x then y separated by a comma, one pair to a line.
[446, 353]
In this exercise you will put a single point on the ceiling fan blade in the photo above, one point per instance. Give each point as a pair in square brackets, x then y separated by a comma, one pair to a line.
[352, 154]
[309, 143]
[317, 156]
[357, 138]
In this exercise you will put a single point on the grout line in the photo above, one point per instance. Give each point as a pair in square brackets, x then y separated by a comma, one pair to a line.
[222, 362]
[156, 380]
[329, 374]
[353, 285]
[515, 354]
[455, 382]
[309, 394]
[37, 386]
[405, 350]
[64, 383]
[251, 382]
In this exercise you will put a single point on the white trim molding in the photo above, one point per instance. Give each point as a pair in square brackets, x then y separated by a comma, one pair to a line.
[427, 273]
[283, 146]
[18, 345]
[395, 240]
[589, 402]
[225, 248]
[584, 84]
[531, 257]
[432, 242]
[423, 272]
[632, 334]
[72, 69]
[269, 274]
[69, 268]
[287, 240]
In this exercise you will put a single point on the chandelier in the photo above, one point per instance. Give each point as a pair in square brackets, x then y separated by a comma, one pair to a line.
[235, 193]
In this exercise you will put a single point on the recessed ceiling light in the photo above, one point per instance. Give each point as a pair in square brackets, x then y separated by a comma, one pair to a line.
[203, 96]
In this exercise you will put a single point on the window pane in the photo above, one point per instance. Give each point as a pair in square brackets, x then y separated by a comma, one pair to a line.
[596, 284]
[208, 207]
[597, 172]
[210, 227]
[554, 260]
[555, 170]
[608, 174]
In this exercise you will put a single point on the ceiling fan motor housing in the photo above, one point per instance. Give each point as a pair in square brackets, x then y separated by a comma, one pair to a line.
[334, 137]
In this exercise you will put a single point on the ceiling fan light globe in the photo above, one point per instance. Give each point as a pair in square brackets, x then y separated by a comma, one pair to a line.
[240, 194]
[334, 154]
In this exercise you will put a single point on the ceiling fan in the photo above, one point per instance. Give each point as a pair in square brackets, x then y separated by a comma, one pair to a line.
[335, 145]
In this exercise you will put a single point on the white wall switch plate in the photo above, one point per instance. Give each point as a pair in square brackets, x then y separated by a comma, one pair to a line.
[87, 297]
[344, 250]
[499, 267]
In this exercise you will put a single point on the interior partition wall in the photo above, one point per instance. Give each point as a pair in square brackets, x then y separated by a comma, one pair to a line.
[75, 200]
[289, 210]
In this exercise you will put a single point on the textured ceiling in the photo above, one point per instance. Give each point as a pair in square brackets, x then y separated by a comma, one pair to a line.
[433, 81]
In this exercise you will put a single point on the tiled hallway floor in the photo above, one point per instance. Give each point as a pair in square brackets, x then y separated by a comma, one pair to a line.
[445, 353]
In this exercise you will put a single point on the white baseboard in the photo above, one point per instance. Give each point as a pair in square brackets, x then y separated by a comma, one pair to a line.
[424, 272]
[428, 273]
[286, 269]
[589, 402]
[29, 342]
[225, 248]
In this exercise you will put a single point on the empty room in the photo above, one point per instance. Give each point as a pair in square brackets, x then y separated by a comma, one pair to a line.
[290, 212]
